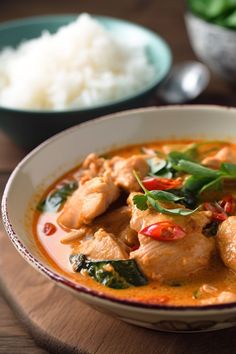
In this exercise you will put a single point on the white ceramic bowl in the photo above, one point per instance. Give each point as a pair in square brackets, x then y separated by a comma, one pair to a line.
[60, 153]
[214, 45]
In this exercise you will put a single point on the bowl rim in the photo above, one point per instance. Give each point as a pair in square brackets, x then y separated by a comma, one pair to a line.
[189, 13]
[116, 102]
[65, 282]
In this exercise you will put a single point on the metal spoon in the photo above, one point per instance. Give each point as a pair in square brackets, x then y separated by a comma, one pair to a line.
[185, 82]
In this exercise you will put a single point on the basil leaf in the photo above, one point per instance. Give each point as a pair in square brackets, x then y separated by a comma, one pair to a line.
[175, 156]
[228, 168]
[190, 199]
[140, 201]
[55, 199]
[176, 211]
[210, 9]
[228, 21]
[180, 211]
[214, 185]
[221, 12]
[194, 184]
[116, 274]
[164, 196]
[197, 170]
[189, 154]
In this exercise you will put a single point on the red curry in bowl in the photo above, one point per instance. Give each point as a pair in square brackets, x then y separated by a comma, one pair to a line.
[154, 223]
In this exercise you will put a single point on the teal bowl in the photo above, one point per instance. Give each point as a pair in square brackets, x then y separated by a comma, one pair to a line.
[28, 128]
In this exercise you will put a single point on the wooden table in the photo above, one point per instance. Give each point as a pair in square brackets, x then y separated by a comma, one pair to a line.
[165, 17]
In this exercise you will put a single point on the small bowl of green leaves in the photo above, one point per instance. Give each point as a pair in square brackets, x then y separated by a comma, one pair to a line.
[211, 26]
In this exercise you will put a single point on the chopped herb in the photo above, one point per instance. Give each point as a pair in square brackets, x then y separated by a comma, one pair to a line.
[55, 199]
[116, 274]
[197, 293]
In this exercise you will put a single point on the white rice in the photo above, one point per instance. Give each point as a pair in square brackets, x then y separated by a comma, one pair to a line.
[81, 65]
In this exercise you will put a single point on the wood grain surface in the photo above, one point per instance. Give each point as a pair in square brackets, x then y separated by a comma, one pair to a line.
[165, 17]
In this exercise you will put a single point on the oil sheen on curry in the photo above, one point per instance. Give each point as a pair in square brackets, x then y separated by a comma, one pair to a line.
[153, 223]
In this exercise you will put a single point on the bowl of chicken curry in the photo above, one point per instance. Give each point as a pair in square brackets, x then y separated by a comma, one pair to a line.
[135, 214]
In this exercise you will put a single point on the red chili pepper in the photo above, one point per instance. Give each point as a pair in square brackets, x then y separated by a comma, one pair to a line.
[228, 204]
[218, 214]
[164, 231]
[156, 183]
[49, 229]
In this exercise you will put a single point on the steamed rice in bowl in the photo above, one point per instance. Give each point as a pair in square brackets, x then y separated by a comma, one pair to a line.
[79, 66]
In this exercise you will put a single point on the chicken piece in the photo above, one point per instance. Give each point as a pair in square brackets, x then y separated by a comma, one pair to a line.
[102, 246]
[93, 166]
[223, 298]
[122, 171]
[226, 242]
[75, 235]
[88, 201]
[129, 236]
[117, 221]
[173, 260]
[226, 154]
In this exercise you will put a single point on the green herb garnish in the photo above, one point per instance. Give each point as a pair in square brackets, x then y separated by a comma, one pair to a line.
[204, 179]
[151, 198]
[229, 169]
[221, 12]
[196, 169]
[197, 293]
[165, 168]
[55, 199]
[116, 274]
[201, 179]
[175, 156]
[189, 198]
